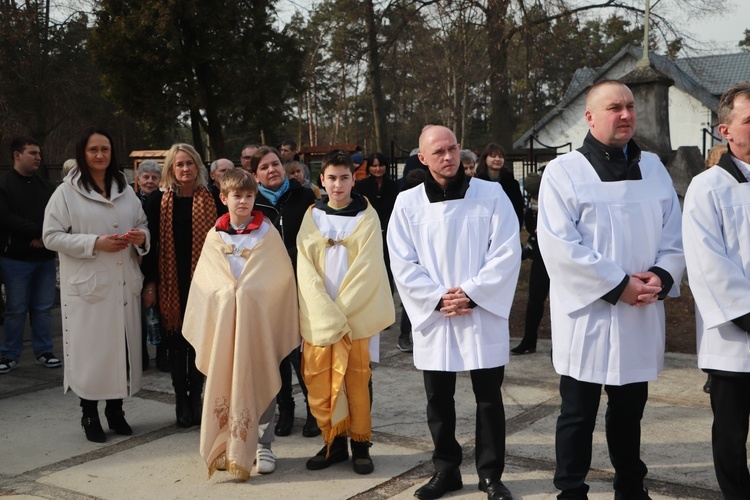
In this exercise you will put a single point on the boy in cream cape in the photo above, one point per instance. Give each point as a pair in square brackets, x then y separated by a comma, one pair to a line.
[344, 300]
[241, 318]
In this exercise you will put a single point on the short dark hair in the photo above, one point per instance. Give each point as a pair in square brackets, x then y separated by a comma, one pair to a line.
[259, 154]
[337, 158]
[18, 145]
[288, 142]
[112, 172]
[726, 103]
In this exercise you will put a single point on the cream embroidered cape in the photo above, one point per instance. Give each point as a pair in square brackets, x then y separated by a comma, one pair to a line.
[241, 330]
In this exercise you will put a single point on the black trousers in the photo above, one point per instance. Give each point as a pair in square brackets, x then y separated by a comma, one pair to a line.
[284, 398]
[730, 402]
[538, 291]
[575, 428]
[490, 421]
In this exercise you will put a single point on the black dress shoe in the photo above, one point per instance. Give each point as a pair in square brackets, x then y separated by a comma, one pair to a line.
[93, 429]
[405, 344]
[523, 349]
[284, 423]
[440, 484]
[116, 421]
[495, 489]
[310, 429]
[338, 453]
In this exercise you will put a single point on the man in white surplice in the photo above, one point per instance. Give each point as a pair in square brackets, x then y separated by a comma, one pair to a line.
[717, 252]
[609, 232]
[455, 256]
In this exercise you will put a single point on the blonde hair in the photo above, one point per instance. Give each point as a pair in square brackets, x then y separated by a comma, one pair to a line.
[168, 179]
[714, 155]
[238, 180]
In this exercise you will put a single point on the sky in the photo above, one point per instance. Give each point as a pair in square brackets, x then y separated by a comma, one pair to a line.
[719, 32]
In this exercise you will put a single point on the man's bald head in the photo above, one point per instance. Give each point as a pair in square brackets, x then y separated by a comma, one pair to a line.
[218, 168]
[610, 113]
[439, 151]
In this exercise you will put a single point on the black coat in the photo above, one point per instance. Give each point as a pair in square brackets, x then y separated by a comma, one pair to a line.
[382, 200]
[22, 203]
[512, 191]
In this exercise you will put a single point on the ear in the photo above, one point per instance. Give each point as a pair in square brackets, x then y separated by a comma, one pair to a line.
[422, 159]
[322, 178]
[723, 129]
[589, 118]
[223, 198]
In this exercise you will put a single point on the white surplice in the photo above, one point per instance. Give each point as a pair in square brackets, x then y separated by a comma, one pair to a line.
[338, 227]
[716, 228]
[472, 243]
[591, 234]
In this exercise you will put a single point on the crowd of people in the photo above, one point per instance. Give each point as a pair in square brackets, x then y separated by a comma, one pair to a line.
[256, 272]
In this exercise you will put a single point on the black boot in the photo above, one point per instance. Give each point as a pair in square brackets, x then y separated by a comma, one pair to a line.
[285, 421]
[196, 380]
[90, 421]
[325, 457]
[178, 366]
[116, 417]
[361, 460]
[162, 357]
[310, 429]
[524, 348]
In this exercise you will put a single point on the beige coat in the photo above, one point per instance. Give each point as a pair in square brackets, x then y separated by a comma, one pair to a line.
[100, 292]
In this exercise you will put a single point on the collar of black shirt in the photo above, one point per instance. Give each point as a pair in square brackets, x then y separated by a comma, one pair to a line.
[455, 190]
[610, 162]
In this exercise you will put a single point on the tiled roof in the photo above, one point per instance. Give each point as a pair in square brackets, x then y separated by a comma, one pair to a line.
[719, 72]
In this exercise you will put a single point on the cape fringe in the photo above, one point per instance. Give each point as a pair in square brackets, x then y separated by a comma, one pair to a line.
[221, 463]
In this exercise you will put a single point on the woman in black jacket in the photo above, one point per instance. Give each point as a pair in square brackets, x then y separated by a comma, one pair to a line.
[491, 167]
[284, 202]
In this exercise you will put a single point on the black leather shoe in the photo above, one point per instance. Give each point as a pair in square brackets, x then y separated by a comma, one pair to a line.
[440, 484]
[196, 407]
[338, 453]
[310, 429]
[707, 385]
[116, 421]
[495, 489]
[93, 429]
[523, 349]
[182, 410]
[284, 423]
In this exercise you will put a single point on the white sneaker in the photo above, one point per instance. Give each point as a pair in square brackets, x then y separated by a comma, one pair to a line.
[265, 461]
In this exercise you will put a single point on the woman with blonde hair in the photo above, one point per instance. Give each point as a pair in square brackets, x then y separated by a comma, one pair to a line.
[179, 219]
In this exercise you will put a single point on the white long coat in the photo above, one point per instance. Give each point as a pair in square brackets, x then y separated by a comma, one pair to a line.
[591, 234]
[716, 229]
[472, 243]
[100, 291]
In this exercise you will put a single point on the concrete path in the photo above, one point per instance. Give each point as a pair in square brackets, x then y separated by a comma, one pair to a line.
[45, 454]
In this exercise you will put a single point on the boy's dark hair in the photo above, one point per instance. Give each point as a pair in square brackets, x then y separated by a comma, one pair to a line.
[237, 179]
[18, 145]
[337, 158]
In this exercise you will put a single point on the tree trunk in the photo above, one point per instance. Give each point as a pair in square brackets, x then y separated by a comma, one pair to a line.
[502, 122]
[375, 80]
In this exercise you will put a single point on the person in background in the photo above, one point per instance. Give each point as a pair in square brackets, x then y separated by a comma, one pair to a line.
[716, 231]
[284, 202]
[148, 178]
[179, 219]
[492, 167]
[295, 171]
[67, 167]
[468, 161]
[96, 224]
[28, 267]
[247, 155]
[216, 170]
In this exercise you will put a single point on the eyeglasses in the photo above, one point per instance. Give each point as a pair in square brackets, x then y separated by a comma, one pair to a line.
[246, 157]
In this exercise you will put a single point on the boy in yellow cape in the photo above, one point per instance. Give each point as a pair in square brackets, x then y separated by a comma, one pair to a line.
[241, 318]
[344, 300]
